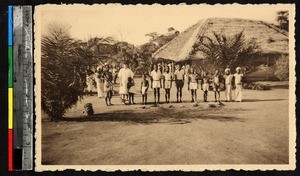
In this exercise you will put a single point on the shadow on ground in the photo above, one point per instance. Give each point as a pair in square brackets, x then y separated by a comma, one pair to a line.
[159, 115]
[256, 100]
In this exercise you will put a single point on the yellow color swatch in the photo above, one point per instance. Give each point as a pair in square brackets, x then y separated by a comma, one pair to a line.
[10, 108]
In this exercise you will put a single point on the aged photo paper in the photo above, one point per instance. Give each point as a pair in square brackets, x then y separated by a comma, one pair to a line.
[165, 87]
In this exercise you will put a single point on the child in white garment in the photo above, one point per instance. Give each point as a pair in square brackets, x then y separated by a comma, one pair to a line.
[205, 85]
[193, 84]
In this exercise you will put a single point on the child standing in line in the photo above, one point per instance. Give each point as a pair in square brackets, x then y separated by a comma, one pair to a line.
[228, 84]
[205, 86]
[167, 83]
[156, 83]
[238, 76]
[107, 86]
[131, 90]
[144, 89]
[193, 84]
[187, 69]
[179, 80]
[216, 85]
[97, 75]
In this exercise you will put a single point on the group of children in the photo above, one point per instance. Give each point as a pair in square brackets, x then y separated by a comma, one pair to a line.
[163, 78]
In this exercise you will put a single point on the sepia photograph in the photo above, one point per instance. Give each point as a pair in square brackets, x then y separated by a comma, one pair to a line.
[165, 87]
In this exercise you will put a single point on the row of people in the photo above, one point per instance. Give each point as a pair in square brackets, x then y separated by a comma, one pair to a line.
[163, 77]
[194, 81]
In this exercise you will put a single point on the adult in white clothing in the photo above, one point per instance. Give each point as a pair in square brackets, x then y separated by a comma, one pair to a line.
[238, 84]
[123, 75]
[228, 84]
[98, 81]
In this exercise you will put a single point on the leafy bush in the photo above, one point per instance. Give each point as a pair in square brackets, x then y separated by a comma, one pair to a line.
[282, 69]
[63, 76]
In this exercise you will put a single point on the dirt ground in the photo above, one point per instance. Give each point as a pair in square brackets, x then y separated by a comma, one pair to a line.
[251, 132]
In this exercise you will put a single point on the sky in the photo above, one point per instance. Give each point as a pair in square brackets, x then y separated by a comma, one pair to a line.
[131, 22]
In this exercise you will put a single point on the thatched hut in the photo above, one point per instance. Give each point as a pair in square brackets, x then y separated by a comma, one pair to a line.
[272, 41]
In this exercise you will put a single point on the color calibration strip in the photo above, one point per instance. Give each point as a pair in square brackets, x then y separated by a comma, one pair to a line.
[10, 88]
[20, 88]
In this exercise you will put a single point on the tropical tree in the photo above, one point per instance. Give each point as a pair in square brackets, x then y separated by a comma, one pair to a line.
[146, 50]
[64, 65]
[223, 50]
[125, 52]
[62, 76]
[100, 49]
[156, 41]
[283, 20]
[162, 39]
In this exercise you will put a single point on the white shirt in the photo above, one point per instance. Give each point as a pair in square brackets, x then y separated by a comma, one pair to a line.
[228, 78]
[238, 78]
[167, 76]
[156, 76]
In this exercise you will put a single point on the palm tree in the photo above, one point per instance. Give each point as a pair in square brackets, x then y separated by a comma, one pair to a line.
[62, 77]
[283, 20]
[223, 50]
[64, 63]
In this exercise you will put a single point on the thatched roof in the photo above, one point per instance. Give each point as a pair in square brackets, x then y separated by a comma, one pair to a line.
[270, 38]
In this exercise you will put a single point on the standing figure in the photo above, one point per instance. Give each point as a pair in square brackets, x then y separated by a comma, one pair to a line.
[98, 81]
[186, 69]
[228, 84]
[167, 83]
[193, 84]
[170, 67]
[163, 67]
[201, 72]
[123, 75]
[179, 80]
[131, 90]
[205, 86]
[144, 89]
[107, 85]
[89, 82]
[156, 83]
[216, 85]
[238, 84]
[114, 74]
[159, 67]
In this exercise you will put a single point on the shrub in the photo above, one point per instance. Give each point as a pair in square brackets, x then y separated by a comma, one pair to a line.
[282, 69]
[65, 62]
[62, 75]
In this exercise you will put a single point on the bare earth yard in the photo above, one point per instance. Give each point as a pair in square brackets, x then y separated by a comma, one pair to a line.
[252, 132]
